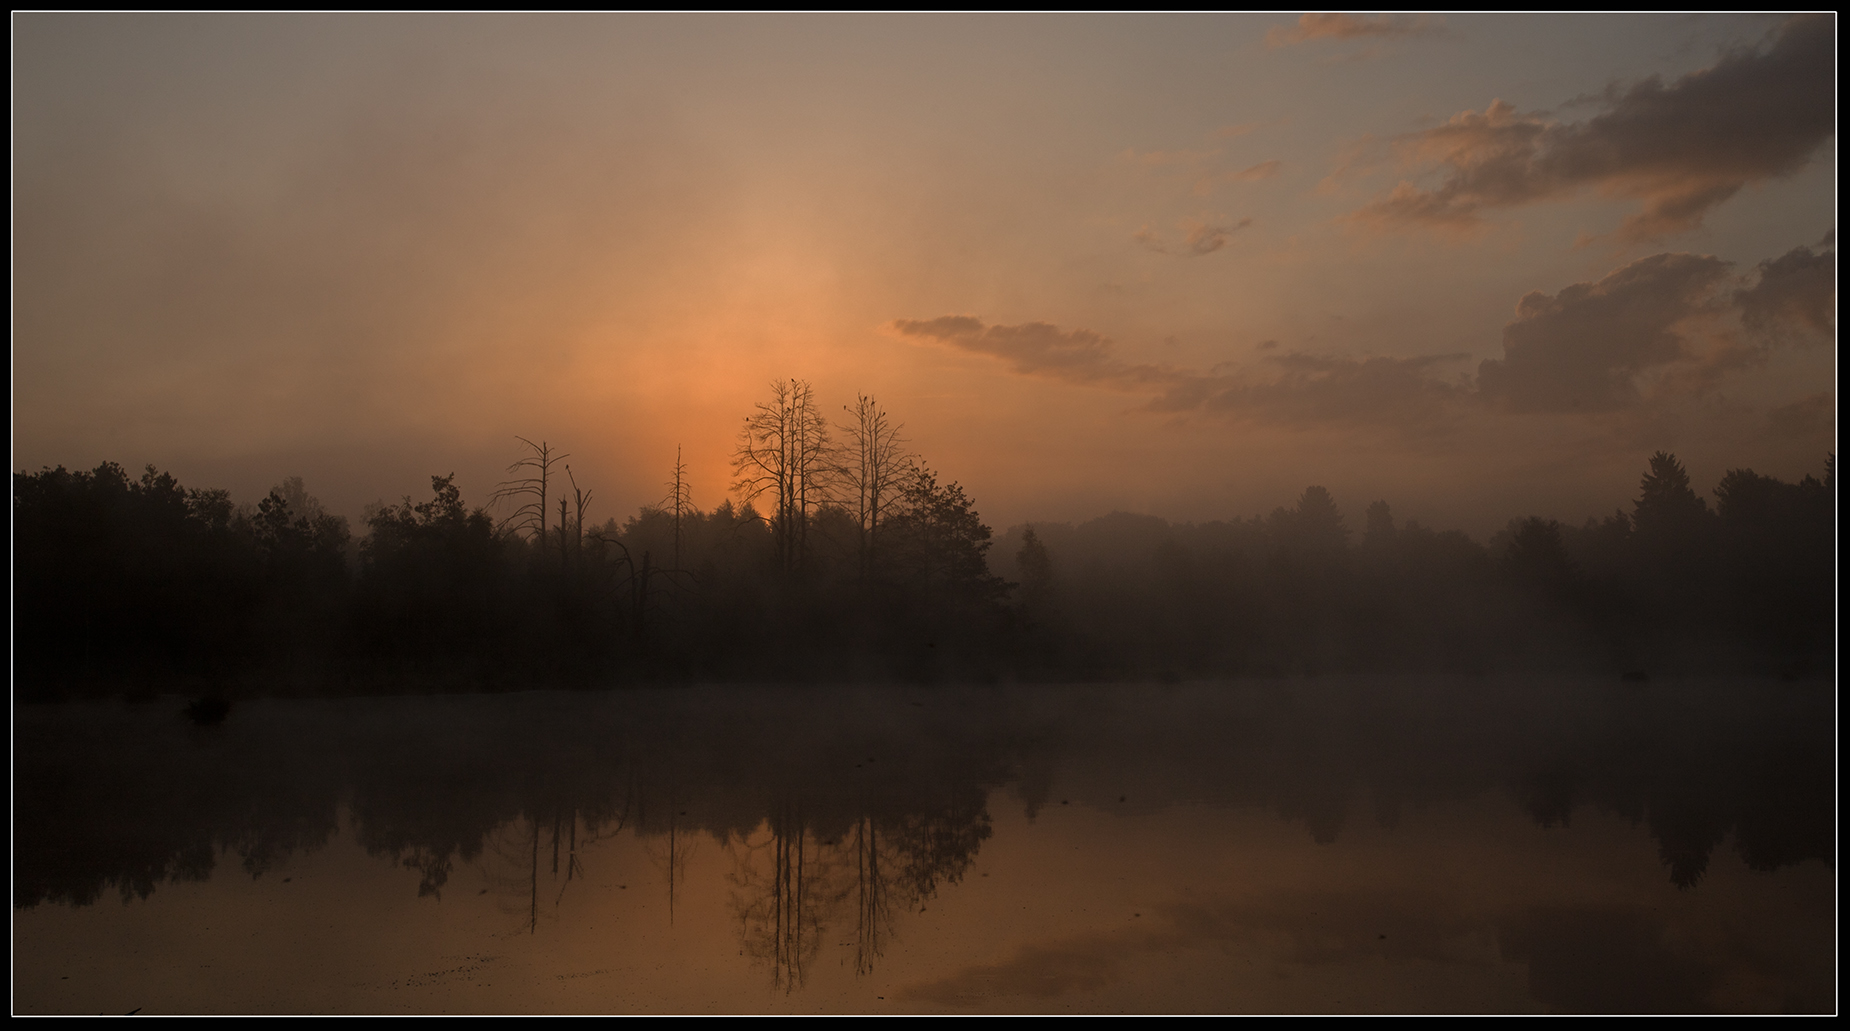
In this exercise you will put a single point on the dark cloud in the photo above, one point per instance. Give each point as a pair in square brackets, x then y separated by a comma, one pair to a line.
[1350, 26]
[1678, 149]
[1580, 349]
[1794, 298]
[1667, 318]
[1294, 389]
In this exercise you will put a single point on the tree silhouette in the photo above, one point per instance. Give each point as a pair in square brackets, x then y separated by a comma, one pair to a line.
[1380, 528]
[784, 451]
[1536, 559]
[530, 514]
[1319, 523]
[873, 470]
[940, 542]
[680, 501]
[432, 580]
[1667, 509]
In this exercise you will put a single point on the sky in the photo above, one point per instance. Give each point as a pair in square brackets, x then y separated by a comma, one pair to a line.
[1479, 267]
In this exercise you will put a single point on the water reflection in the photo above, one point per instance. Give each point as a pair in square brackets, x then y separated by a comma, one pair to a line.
[839, 815]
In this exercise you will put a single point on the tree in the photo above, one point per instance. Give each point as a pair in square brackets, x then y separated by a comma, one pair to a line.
[784, 451]
[581, 499]
[873, 471]
[1536, 558]
[290, 523]
[940, 543]
[431, 577]
[1314, 528]
[680, 501]
[1667, 509]
[1380, 532]
[530, 515]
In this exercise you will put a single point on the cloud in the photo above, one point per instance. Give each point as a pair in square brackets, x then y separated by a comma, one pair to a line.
[1679, 150]
[1581, 349]
[1045, 350]
[1349, 26]
[1667, 326]
[1203, 236]
[1294, 388]
[1795, 297]
[1669, 320]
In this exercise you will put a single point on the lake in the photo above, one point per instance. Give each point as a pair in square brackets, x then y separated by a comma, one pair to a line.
[1359, 845]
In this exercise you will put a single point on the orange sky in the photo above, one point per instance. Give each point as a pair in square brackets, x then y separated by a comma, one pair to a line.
[1478, 266]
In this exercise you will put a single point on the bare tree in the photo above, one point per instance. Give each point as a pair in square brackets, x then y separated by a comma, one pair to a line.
[874, 465]
[784, 451]
[680, 501]
[581, 499]
[530, 489]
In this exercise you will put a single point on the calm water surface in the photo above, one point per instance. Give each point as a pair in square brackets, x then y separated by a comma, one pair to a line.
[1539, 845]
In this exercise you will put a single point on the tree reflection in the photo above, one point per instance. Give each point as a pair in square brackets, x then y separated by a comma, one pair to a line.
[793, 883]
[120, 799]
[873, 913]
[781, 891]
[670, 852]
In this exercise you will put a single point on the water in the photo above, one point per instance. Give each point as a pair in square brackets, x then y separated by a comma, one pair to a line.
[1363, 845]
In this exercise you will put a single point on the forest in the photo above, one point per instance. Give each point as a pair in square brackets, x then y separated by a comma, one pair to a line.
[843, 557]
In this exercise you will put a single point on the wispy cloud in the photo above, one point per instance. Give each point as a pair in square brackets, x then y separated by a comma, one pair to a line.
[1201, 236]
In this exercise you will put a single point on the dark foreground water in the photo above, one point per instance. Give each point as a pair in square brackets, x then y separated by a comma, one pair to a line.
[1365, 845]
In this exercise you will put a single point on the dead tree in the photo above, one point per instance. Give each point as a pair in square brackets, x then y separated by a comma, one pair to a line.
[581, 499]
[530, 490]
[680, 500]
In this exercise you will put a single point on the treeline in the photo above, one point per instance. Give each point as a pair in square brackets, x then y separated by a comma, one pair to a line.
[845, 557]
[862, 564]
[1672, 585]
